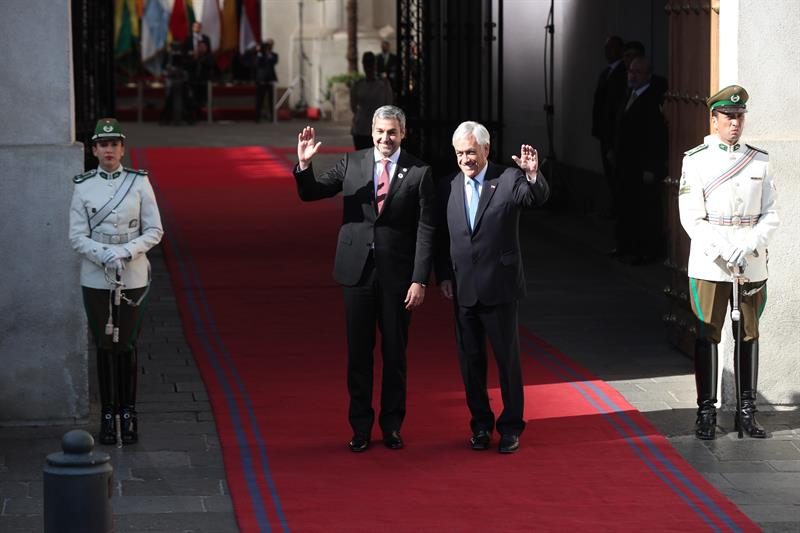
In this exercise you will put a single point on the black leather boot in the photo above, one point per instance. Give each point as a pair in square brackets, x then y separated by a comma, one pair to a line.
[107, 379]
[705, 376]
[746, 418]
[128, 372]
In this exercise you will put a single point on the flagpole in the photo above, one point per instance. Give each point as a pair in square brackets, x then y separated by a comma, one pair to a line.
[302, 105]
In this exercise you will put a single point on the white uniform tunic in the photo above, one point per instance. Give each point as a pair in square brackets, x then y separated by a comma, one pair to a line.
[740, 212]
[134, 224]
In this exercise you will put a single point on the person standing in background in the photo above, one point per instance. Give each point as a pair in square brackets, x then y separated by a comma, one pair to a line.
[367, 95]
[387, 64]
[265, 77]
[641, 165]
[608, 94]
[197, 36]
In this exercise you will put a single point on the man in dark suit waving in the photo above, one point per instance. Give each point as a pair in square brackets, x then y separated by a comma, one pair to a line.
[383, 258]
[479, 266]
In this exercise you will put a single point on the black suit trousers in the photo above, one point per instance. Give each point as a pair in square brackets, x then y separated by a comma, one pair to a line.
[367, 305]
[499, 324]
[262, 90]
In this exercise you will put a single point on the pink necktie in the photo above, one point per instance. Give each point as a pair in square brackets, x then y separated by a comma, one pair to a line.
[383, 185]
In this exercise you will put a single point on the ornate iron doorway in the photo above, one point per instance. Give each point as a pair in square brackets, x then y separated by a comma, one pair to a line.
[451, 70]
[93, 68]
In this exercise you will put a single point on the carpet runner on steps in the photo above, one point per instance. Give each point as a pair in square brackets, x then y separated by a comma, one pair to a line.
[251, 268]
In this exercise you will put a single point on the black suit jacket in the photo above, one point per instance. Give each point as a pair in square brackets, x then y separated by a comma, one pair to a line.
[609, 92]
[264, 67]
[642, 137]
[486, 264]
[188, 43]
[403, 233]
[387, 66]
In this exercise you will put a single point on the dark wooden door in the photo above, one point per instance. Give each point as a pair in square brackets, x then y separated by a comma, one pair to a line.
[693, 76]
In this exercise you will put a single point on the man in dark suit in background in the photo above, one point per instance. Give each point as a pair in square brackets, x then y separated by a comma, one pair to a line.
[608, 95]
[479, 266]
[631, 51]
[387, 64]
[641, 151]
[265, 77]
[197, 36]
[383, 259]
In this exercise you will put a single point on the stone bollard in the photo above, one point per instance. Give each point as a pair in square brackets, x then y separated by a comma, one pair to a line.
[77, 487]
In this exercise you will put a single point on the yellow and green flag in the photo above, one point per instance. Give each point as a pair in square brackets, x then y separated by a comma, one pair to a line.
[126, 26]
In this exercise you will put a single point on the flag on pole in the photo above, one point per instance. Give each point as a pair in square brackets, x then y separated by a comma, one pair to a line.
[249, 26]
[190, 12]
[155, 23]
[230, 34]
[126, 27]
[178, 22]
[210, 19]
[139, 8]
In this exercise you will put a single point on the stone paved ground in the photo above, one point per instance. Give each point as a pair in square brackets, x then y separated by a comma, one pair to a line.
[605, 315]
[173, 480]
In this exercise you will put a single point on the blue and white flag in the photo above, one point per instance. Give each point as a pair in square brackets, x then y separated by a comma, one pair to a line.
[155, 24]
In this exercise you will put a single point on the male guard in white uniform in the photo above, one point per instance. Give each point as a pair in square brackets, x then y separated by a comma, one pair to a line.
[114, 221]
[727, 204]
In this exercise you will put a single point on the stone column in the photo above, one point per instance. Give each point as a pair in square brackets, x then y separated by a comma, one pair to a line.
[758, 50]
[43, 342]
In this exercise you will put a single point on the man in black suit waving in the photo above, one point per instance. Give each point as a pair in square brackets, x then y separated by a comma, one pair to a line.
[479, 266]
[383, 258]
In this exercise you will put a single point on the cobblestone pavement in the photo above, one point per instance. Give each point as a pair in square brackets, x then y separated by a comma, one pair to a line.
[605, 315]
[173, 480]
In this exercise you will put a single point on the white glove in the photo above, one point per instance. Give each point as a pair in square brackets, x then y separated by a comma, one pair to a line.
[114, 253]
[117, 264]
[737, 258]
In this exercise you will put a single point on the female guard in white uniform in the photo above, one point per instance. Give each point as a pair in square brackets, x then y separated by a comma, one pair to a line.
[114, 221]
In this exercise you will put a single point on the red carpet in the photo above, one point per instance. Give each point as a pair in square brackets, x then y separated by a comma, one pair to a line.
[251, 268]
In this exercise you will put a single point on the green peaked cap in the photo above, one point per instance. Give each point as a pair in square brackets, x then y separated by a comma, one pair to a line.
[731, 99]
[107, 128]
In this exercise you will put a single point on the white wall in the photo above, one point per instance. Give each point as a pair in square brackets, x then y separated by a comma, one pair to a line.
[43, 337]
[758, 50]
[324, 37]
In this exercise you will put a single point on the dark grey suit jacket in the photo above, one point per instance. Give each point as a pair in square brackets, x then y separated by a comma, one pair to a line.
[486, 264]
[403, 233]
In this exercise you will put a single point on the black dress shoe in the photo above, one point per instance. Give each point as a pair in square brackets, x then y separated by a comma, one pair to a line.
[130, 426]
[108, 427]
[508, 444]
[393, 440]
[358, 444]
[480, 440]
